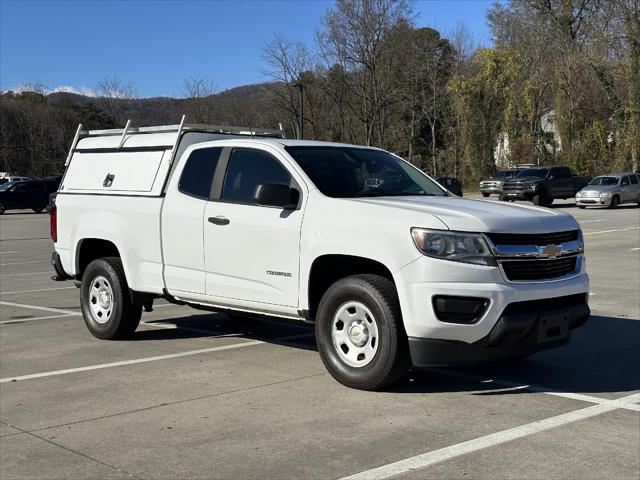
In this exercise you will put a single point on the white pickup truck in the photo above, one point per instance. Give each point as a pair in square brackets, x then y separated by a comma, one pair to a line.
[393, 270]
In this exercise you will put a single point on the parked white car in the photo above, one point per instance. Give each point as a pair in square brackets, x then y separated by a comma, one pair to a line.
[393, 270]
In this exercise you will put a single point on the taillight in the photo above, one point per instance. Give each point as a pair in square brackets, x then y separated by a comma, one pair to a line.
[53, 224]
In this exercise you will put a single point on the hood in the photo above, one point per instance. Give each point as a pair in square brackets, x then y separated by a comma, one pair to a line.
[484, 216]
[600, 188]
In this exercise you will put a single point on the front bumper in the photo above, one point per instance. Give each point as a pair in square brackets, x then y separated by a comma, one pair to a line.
[425, 278]
[491, 190]
[593, 201]
[519, 194]
[523, 328]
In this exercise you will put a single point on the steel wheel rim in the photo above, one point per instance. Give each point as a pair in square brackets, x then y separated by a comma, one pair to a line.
[101, 301]
[354, 332]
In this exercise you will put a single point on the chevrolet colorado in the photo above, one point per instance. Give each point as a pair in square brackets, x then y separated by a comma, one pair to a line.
[392, 269]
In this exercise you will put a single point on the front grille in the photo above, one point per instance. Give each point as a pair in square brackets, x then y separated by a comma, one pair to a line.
[513, 187]
[540, 239]
[537, 269]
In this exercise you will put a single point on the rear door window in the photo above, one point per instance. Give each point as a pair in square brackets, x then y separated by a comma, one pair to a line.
[625, 181]
[634, 179]
[197, 174]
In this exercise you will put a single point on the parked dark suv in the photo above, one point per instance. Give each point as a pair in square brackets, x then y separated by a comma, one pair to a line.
[451, 183]
[31, 194]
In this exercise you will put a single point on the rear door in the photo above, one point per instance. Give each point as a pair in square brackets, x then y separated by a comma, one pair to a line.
[182, 220]
[635, 188]
[626, 193]
[20, 195]
[561, 182]
[251, 251]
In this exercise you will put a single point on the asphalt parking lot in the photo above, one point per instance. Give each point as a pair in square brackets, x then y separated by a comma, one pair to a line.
[195, 395]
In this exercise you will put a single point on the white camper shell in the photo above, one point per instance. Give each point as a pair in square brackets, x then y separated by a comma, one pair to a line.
[137, 161]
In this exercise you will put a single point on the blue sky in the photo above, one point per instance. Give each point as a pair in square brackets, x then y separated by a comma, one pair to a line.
[158, 44]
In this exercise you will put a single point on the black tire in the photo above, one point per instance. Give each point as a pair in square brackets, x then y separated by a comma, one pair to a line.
[548, 202]
[581, 207]
[124, 316]
[502, 197]
[38, 209]
[615, 201]
[391, 360]
[485, 194]
[537, 199]
[2, 209]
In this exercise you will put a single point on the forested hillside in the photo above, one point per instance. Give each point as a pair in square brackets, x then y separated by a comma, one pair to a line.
[372, 77]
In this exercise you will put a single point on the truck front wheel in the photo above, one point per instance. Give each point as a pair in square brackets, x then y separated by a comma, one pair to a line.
[105, 300]
[360, 335]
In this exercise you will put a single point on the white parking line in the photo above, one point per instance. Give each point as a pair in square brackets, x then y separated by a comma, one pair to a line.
[9, 252]
[540, 389]
[591, 221]
[610, 231]
[24, 263]
[36, 290]
[453, 451]
[634, 249]
[50, 272]
[187, 353]
[36, 307]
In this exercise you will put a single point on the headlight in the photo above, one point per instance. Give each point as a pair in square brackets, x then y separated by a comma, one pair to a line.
[578, 194]
[533, 187]
[605, 195]
[455, 246]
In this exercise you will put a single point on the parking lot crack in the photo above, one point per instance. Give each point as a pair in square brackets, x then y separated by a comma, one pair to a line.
[168, 404]
[76, 452]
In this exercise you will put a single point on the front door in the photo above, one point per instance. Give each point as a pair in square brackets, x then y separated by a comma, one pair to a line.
[252, 251]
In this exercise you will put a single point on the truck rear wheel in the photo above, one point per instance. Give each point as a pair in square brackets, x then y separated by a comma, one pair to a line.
[105, 300]
[360, 335]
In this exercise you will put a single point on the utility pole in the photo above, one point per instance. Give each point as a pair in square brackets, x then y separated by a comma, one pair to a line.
[300, 111]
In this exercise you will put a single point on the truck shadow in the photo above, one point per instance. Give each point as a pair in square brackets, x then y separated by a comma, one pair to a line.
[602, 357]
[220, 325]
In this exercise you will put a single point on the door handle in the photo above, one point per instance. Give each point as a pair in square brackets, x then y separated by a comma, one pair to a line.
[219, 220]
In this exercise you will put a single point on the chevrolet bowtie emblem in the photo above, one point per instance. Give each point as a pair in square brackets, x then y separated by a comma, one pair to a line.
[550, 251]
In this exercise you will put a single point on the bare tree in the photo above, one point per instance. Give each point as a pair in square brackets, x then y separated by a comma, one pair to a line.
[199, 92]
[356, 33]
[115, 96]
[289, 62]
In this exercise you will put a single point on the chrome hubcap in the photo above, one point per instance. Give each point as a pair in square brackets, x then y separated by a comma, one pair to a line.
[354, 332]
[101, 300]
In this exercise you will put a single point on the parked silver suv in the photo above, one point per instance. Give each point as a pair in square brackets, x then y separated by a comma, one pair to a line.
[610, 190]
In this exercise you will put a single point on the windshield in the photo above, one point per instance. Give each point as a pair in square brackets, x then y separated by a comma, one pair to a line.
[349, 172]
[533, 172]
[6, 186]
[605, 181]
[503, 174]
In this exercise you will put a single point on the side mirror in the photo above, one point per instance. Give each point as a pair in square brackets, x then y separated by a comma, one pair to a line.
[276, 195]
[551, 177]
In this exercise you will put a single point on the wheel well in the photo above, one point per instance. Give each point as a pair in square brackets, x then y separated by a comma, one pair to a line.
[91, 248]
[328, 269]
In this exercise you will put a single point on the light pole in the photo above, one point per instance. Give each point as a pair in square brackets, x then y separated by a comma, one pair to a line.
[300, 111]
